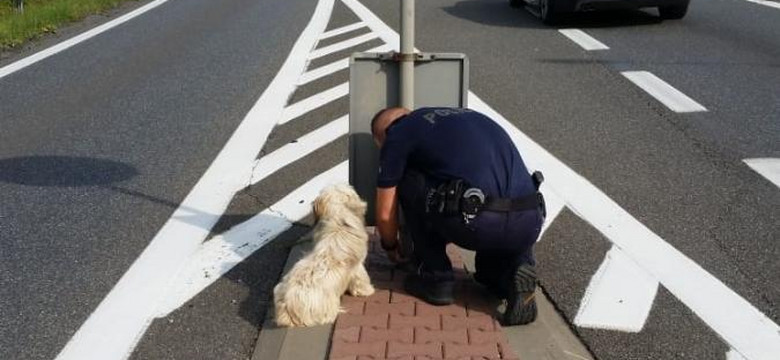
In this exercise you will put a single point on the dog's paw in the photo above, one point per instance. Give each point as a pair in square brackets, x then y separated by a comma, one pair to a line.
[363, 290]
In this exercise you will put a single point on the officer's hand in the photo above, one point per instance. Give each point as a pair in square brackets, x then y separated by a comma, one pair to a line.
[395, 255]
[394, 252]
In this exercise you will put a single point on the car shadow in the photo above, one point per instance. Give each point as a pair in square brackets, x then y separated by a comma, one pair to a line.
[493, 13]
[499, 13]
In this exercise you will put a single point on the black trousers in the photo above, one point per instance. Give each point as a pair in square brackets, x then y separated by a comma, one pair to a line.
[502, 240]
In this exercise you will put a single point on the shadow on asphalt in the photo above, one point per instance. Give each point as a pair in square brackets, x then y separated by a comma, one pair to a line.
[499, 13]
[63, 171]
[260, 272]
[70, 171]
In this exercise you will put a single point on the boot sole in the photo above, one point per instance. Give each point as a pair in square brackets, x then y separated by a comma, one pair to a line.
[521, 304]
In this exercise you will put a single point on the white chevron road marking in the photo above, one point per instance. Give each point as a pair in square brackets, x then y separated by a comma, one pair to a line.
[767, 167]
[619, 296]
[119, 321]
[342, 30]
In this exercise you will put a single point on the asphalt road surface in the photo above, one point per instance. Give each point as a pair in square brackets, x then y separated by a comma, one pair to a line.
[103, 144]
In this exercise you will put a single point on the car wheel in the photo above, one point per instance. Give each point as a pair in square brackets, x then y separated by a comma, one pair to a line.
[516, 3]
[548, 12]
[673, 12]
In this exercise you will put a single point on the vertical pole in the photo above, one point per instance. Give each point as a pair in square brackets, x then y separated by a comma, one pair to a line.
[407, 54]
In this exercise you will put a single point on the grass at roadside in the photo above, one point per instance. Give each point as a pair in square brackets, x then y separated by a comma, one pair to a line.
[43, 16]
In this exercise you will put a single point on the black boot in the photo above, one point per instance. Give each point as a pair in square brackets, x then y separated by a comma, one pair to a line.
[492, 284]
[435, 292]
[521, 304]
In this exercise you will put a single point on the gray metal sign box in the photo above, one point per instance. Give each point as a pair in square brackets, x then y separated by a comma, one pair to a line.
[440, 79]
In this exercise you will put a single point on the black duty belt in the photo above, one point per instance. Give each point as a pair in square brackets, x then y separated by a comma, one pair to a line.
[530, 202]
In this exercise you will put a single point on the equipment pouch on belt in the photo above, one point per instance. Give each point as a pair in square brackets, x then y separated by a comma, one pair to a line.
[445, 199]
[458, 197]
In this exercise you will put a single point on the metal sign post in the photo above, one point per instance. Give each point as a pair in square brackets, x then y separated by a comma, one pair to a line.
[381, 80]
[407, 54]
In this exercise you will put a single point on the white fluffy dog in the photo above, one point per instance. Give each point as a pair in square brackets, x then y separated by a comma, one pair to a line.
[310, 293]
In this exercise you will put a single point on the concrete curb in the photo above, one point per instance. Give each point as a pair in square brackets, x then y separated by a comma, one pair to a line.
[275, 342]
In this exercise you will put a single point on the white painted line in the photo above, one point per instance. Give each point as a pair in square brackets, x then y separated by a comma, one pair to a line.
[43, 54]
[220, 254]
[584, 40]
[112, 330]
[734, 355]
[346, 44]
[342, 30]
[767, 167]
[302, 107]
[376, 24]
[333, 67]
[554, 204]
[323, 71]
[773, 4]
[301, 147]
[674, 99]
[619, 296]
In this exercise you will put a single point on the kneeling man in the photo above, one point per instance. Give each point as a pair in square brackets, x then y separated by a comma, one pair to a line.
[458, 178]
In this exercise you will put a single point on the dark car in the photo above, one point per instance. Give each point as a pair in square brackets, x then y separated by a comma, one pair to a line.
[551, 10]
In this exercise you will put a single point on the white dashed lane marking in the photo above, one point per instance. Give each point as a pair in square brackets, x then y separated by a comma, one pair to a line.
[773, 4]
[672, 98]
[584, 40]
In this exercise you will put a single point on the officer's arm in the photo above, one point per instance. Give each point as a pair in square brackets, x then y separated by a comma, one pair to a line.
[387, 214]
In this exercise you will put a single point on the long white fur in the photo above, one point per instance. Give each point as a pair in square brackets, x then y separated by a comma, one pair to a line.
[310, 293]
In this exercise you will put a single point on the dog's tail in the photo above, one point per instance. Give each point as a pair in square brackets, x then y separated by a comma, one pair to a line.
[282, 314]
[307, 308]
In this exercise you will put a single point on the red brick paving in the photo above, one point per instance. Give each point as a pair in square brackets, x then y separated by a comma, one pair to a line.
[394, 325]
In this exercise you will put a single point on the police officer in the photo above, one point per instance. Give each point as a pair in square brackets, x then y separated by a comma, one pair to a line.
[458, 178]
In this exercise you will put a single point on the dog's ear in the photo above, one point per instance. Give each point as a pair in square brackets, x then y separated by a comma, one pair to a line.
[357, 206]
[318, 207]
[354, 203]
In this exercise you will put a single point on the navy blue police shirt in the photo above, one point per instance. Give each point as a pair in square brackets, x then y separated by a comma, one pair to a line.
[451, 143]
